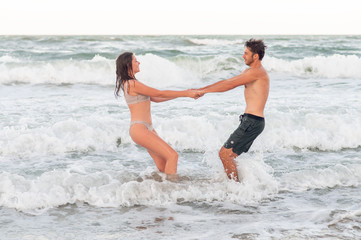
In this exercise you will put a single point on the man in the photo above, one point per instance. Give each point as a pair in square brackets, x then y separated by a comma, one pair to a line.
[256, 82]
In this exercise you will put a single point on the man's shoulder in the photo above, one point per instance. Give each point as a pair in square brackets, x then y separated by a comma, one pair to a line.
[257, 72]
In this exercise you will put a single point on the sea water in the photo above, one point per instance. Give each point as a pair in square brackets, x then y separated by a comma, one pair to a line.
[69, 169]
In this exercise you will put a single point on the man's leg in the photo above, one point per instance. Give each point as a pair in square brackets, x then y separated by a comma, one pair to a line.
[227, 156]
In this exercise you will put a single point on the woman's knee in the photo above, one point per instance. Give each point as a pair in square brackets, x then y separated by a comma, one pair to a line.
[174, 156]
[172, 162]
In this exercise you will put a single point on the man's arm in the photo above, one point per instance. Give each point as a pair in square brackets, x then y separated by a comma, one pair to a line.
[225, 85]
[212, 85]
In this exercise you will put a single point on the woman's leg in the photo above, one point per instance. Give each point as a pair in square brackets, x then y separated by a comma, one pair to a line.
[165, 157]
[159, 161]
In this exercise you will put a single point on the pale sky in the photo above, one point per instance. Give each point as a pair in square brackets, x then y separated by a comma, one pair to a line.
[181, 17]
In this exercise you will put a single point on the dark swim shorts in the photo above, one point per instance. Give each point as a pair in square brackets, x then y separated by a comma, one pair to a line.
[242, 138]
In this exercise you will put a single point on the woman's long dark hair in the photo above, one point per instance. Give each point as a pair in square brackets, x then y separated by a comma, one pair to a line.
[124, 70]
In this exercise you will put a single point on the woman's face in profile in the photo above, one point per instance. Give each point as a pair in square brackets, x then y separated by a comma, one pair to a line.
[135, 65]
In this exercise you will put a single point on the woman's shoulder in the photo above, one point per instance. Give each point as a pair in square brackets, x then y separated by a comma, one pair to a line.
[135, 86]
[132, 85]
[130, 82]
[134, 82]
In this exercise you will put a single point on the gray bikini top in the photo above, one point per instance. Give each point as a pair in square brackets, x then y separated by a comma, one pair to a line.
[133, 99]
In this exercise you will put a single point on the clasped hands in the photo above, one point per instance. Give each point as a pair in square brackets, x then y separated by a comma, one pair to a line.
[195, 93]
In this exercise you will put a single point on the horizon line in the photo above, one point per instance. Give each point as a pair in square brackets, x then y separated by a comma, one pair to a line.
[213, 34]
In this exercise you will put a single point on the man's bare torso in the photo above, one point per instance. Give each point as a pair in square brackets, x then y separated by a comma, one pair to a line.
[256, 92]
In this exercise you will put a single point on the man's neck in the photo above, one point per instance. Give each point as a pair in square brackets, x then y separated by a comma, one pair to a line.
[255, 64]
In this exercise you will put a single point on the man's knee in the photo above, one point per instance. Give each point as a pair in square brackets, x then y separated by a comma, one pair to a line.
[227, 153]
[221, 151]
[224, 152]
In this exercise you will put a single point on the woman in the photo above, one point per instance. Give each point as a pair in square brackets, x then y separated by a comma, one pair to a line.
[138, 97]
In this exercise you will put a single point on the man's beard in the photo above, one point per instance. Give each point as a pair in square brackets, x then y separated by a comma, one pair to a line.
[249, 62]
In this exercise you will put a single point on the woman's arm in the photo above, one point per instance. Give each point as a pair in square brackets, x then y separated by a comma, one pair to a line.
[159, 99]
[137, 87]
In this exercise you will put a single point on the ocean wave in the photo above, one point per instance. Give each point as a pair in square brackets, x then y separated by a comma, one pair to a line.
[59, 72]
[121, 188]
[184, 133]
[211, 67]
[335, 66]
[312, 131]
[109, 188]
[160, 72]
[338, 175]
[224, 66]
[155, 70]
[68, 135]
[179, 71]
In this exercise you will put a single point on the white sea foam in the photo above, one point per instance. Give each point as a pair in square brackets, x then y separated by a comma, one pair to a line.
[199, 133]
[96, 71]
[312, 131]
[160, 72]
[330, 177]
[335, 66]
[114, 189]
[8, 59]
[63, 136]
[98, 58]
